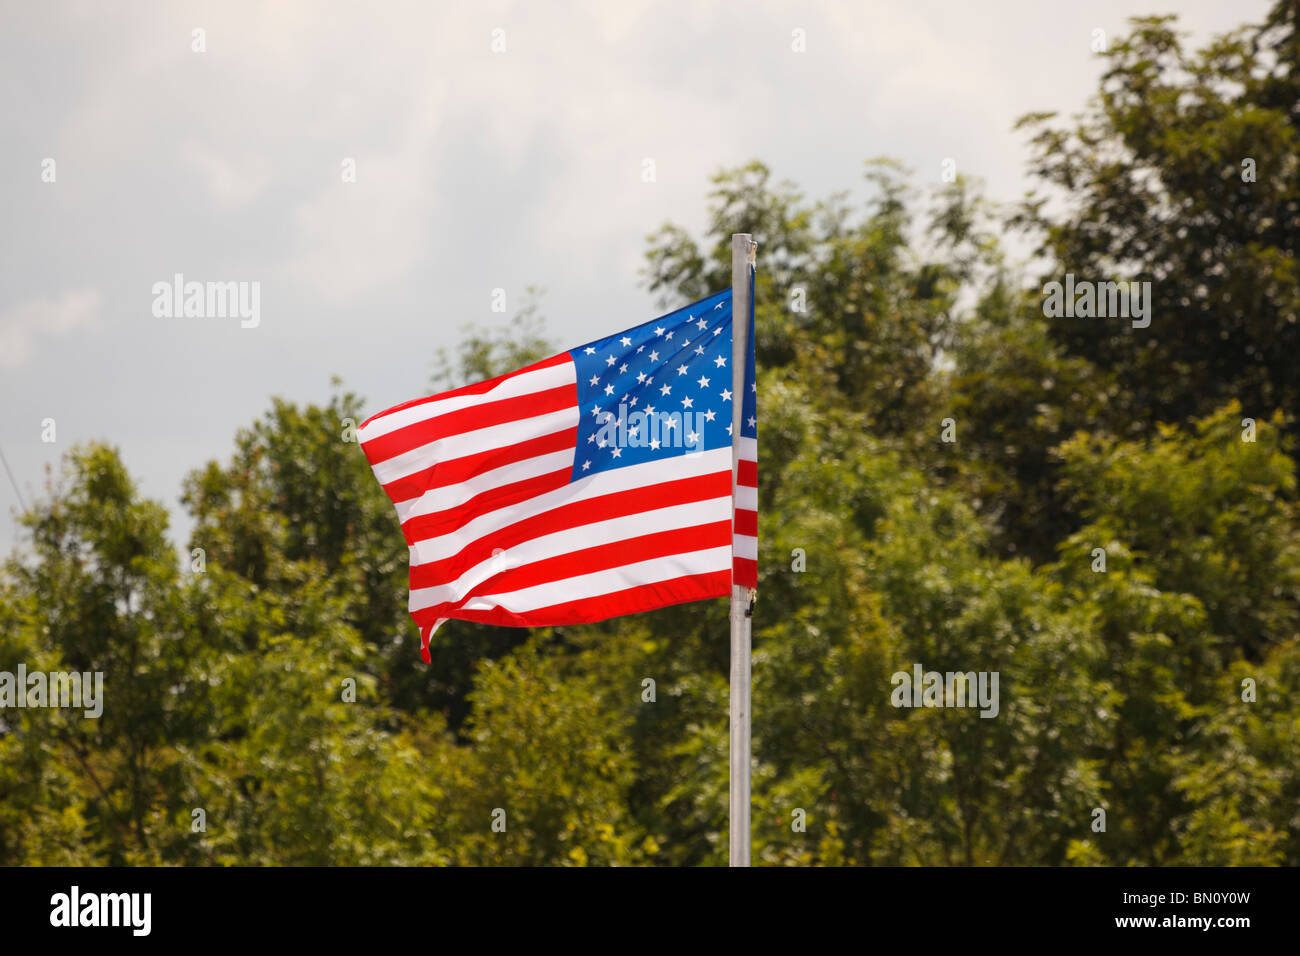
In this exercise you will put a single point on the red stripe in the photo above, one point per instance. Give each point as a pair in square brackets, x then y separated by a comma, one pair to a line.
[599, 557]
[646, 597]
[747, 473]
[477, 388]
[445, 522]
[747, 523]
[614, 505]
[745, 571]
[455, 470]
[482, 415]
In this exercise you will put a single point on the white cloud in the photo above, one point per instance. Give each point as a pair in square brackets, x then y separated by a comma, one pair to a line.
[21, 325]
[353, 236]
[229, 184]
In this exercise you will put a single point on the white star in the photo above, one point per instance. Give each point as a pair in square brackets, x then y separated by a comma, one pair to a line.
[633, 401]
[590, 439]
[718, 306]
[726, 394]
[640, 349]
[595, 379]
[654, 444]
[686, 343]
[617, 452]
[610, 360]
[702, 324]
[666, 390]
[670, 423]
[692, 438]
[640, 377]
[654, 356]
[668, 336]
[595, 409]
[609, 389]
[699, 350]
[625, 341]
[586, 465]
[709, 415]
[753, 386]
[752, 421]
[703, 382]
[649, 409]
[659, 331]
[686, 402]
[728, 429]
[590, 350]
[622, 369]
[602, 443]
[717, 331]
[681, 370]
[634, 429]
[719, 361]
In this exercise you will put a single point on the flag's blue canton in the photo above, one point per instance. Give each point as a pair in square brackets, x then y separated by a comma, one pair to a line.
[678, 363]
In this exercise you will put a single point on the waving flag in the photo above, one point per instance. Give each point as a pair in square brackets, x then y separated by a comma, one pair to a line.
[591, 484]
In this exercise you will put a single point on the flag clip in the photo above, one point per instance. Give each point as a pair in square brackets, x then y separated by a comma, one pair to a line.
[753, 597]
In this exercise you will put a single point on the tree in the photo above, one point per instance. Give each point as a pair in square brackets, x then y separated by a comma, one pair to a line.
[1183, 173]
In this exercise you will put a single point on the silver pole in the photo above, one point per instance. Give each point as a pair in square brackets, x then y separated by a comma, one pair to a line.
[742, 247]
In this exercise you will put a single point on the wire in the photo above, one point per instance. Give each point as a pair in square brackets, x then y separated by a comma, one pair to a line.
[17, 493]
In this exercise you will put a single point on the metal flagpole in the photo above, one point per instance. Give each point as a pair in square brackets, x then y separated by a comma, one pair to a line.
[742, 255]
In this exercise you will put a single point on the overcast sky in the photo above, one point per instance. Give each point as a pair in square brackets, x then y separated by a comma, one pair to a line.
[475, 170]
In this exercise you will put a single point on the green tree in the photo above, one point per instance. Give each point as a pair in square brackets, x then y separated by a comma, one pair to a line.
[1183, 172]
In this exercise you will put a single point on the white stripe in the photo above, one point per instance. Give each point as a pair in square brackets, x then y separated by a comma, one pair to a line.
[748, 449]
[606, 482]
[450, 496]
[473, 442]
[556, 375]
[574, 539]
[746, 547]
[608, 581]
[746, 498]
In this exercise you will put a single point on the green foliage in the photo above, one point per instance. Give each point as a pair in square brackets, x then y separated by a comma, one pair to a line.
[1155, 182]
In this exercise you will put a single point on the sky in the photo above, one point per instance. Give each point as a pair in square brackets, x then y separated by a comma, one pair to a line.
[381, 169]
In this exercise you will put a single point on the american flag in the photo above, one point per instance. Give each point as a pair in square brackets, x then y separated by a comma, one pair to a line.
[588, 485]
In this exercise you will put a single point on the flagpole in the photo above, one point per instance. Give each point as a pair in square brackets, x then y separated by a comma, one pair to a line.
[742, 254]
